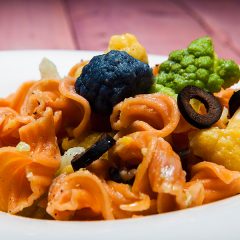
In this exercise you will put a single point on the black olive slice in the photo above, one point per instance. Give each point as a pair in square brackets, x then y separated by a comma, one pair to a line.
[211, 103]
[234, 103]
[184, 157]
[93, 153]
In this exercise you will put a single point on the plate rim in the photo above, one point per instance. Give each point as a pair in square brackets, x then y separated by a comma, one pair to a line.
[105, 229]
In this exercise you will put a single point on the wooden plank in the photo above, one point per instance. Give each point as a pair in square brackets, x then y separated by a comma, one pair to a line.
[29, 24]
[221, 21]
[161, 25]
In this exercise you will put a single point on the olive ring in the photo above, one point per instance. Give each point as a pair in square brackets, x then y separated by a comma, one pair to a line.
[211, 103]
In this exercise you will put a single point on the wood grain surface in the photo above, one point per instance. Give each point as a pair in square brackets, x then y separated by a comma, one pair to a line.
[28, 24]
[160, 25]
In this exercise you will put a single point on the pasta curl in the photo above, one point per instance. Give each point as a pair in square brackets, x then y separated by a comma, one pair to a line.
[224, 95]
[10, 122]
[15, 100]
[126, 203]
[149, 112]
[83, 108]
[159, 171]
[218, 181]
[32, 99]
[26, 175]
[76, 70]
[69, 194]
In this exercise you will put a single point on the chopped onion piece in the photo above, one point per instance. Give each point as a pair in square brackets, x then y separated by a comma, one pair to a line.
[48, 69]
[23, 147]
[66, 159]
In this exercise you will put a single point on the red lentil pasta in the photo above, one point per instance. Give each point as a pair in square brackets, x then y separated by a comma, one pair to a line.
[149, 112]
[10, 122]
[26, 175]
[36, 119]
[218, 181]
[71, 193]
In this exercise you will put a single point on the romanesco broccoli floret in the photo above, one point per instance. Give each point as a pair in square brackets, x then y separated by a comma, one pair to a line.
[198, 65]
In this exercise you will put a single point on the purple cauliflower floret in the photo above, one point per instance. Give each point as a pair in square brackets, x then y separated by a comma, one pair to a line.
[110, 78]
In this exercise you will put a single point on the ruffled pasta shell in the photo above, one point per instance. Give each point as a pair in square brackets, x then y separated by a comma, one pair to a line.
[149, 112]
[25, 176]
[69, 194]
[218, 181]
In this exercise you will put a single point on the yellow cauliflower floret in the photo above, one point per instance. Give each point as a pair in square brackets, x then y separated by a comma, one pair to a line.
[221, 146]
[128, 42]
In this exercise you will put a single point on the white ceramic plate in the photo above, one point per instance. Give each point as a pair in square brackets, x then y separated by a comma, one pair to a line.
[220, 220]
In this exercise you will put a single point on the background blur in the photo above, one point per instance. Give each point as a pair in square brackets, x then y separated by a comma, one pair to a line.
[160, 25]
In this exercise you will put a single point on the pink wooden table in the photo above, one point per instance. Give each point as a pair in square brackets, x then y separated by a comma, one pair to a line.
[161, 25]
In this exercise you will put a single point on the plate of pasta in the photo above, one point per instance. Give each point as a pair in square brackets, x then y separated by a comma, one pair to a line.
[119, 143]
